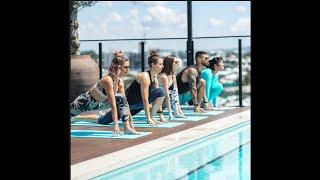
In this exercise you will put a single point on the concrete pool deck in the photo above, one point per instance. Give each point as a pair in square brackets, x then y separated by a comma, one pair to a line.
[91, 157]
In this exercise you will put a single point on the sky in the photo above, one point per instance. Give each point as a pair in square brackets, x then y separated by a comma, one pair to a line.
[158, 19]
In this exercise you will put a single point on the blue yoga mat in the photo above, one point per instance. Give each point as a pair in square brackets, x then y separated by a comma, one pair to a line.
[138, 123]
[188, 118]
[188, 113]
[208, 113]
[103, 134]
[86, 123]
[219, 108]
[223, 108]
[191, 113]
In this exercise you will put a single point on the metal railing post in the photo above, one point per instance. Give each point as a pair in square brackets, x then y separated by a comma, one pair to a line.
[142, 55]
[100, 60]
[189, 41]
[240, 72]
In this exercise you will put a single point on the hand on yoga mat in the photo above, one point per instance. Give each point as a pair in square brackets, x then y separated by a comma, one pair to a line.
[208, 107]
[152, 122]
[197, 109]
[116, 130]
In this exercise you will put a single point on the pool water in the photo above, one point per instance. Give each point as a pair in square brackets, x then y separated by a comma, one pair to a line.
[221, 155]
[235, 166]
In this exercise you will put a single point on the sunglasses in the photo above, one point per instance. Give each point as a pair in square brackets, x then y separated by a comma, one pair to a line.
[126, 67]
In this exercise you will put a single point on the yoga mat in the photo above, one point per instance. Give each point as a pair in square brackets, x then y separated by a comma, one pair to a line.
[219, 108]
[207, 113]
[103, 134]
[187, 113]
[188, 118]
[136, 122]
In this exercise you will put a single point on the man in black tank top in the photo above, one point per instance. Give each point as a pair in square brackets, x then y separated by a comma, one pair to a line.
[190, 85]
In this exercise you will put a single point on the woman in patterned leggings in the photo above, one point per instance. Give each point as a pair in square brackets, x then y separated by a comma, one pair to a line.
[167, 79]
[109, 95]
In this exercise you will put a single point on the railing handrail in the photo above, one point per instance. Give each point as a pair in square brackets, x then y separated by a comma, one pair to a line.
[143, 39]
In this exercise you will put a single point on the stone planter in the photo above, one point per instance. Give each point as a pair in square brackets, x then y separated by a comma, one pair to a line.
[84, 73]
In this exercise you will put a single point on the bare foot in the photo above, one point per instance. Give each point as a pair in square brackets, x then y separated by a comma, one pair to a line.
[128, 130]
[131, 132]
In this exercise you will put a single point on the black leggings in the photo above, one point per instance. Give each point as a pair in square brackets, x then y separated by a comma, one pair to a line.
[153, 95]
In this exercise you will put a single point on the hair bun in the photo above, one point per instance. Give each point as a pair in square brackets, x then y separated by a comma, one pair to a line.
[153, 53]
[118, 53]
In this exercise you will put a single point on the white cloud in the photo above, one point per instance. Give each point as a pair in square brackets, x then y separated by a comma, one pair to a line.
[115, 16]
[147, 28]
[106, 3]
[182, 26]
[136, 28]
[149, 3]
[83, 27]
[241, 9]
[86, 26]
[241, 25]
[104, 28]
[216, 22]
[157, 21]
[166, 16]
[97, 18]
[86, 30]
[134, 13]
[154, 3]
[147, 18]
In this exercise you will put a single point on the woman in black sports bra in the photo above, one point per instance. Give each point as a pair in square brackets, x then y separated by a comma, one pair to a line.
[167, 80]
[145, 90]
[107, 94]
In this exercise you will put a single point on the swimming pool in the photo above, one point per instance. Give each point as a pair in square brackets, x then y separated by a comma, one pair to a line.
[222, 155]
[235, 165]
